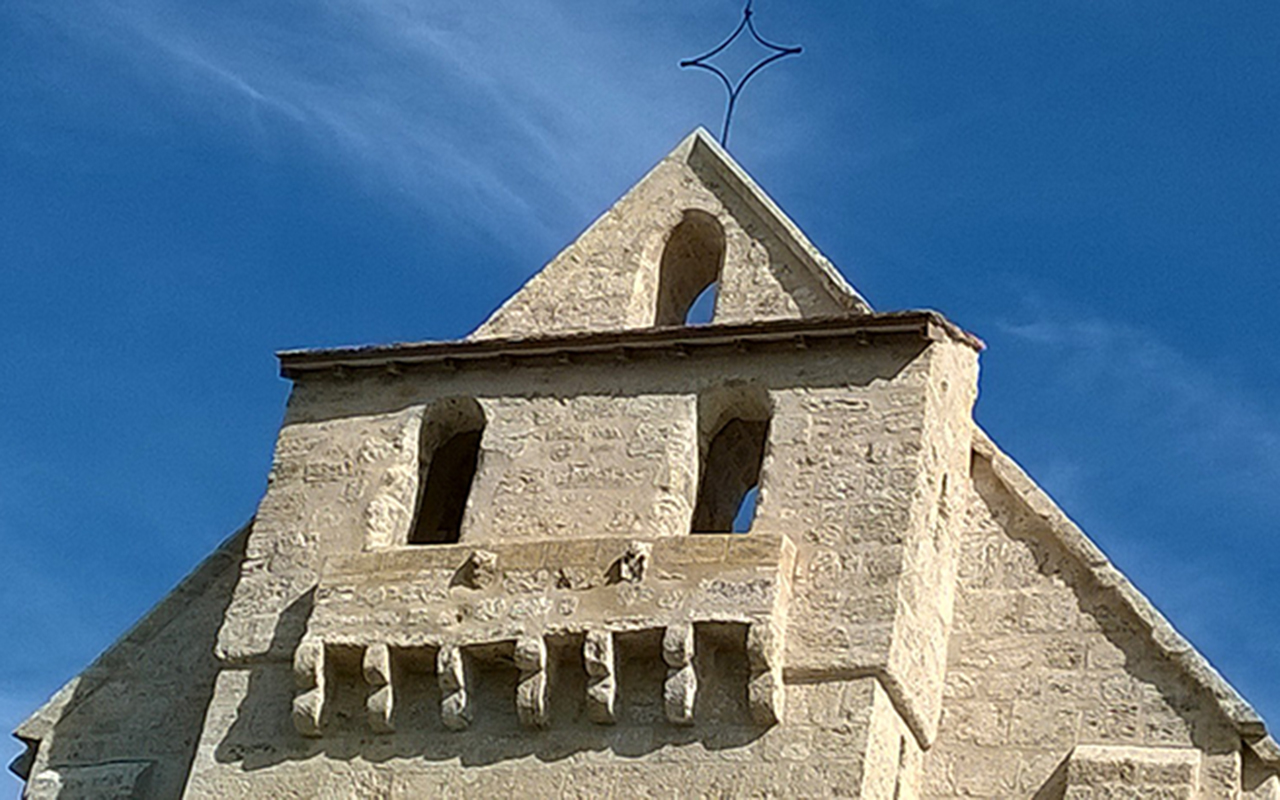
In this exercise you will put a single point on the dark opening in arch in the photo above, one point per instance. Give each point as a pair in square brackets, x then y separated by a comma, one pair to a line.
[691, 262]
[449, 456]
[730, 477]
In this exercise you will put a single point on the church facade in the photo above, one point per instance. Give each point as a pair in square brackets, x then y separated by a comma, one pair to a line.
[594, 551]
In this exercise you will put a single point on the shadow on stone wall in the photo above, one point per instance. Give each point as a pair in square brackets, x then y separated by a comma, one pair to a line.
[1056, 787]
[263, 735]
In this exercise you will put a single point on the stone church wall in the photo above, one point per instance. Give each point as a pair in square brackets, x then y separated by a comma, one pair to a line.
[576, 454]
[1043, 659]
[129, 725]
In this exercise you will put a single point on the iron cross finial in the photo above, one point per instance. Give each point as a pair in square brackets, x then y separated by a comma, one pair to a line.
[734, 90]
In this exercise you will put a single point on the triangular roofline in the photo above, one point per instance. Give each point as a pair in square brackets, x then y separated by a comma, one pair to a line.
[1158, 630]
[700, 144]
[775, 218]
[82, 686]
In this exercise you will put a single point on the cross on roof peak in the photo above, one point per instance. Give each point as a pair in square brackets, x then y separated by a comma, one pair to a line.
[775, 52]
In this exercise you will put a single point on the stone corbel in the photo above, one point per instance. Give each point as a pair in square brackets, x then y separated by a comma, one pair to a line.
[681, 688]
[602, 681]
[452, 671]
[308, 676]
[531, 691]
[765, 692]
[377, 673]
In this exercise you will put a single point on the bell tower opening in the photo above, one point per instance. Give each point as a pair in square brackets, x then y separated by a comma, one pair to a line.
[690, 268]
[733, 449]
[449, 448]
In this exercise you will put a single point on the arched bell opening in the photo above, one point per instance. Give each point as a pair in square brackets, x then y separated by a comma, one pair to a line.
[690, 267]
[449, 456]
[734, 425]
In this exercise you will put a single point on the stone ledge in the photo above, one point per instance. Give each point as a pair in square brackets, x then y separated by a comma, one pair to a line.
[464, 594]
[1112, 771]
[681, 341]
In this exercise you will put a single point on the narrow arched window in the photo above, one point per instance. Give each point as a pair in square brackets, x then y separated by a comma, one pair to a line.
[732, 455]
[449, 455]
[691, 263]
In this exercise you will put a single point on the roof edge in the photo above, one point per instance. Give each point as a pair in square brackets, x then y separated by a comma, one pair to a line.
[1167, 640]
[787, 231]
[41, 722]
[930, 324]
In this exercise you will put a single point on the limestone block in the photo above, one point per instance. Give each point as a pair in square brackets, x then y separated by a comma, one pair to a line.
[602, 682]
[681, 688]
[634, 562]
[118, 780]
[481, 569]
[425, 597]
[531, 691]
[377, 673]
[766, 693]
[308, 675]
[1096, 771]
[453, 674]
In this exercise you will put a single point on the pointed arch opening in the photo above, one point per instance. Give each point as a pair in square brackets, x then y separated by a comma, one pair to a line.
[690, 265]
[734, 433]
[449, 456]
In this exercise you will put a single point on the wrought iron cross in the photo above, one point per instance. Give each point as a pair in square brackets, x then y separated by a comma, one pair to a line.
[734, 89]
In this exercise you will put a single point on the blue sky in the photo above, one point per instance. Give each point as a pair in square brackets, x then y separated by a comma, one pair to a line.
[187, 187]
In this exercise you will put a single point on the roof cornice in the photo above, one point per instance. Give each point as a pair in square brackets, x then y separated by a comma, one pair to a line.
[680, 340]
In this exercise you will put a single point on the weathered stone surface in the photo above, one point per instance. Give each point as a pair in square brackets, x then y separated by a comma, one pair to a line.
[1097, 772]
[908, 615]
[381, 702]
[114, 781]
[602, 682]
[609, 278]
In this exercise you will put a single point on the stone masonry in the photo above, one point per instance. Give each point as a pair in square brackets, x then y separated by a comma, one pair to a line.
[594, 551]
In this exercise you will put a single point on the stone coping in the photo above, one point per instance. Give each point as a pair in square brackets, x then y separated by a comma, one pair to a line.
[680, 341]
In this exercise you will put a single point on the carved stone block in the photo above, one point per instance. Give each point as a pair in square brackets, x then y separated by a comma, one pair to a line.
[681, 688]
[480, 570]
[766, 693]
[635, 561]
[308, 676]
[377, 673]
[602, 683]
[531, 691]
[452, 671]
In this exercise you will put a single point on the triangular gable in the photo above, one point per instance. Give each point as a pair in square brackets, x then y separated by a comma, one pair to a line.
[221, 563]
[611, 278]
[1161, 634]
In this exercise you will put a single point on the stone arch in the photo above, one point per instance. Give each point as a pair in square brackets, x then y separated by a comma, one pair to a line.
[733, 433]
[448, 459]
[691, 261]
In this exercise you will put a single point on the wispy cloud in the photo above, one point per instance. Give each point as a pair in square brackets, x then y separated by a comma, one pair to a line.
[511, 108]
[1198, 411]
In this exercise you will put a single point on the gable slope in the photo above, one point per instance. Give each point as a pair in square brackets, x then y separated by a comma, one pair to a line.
[1160, 632]
[696, 218]
[215, 574]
